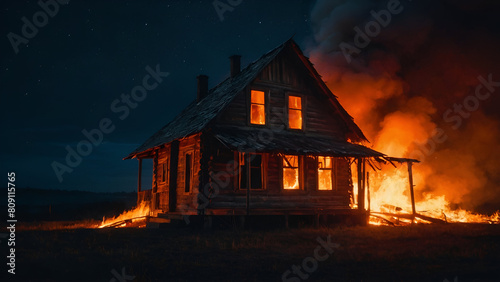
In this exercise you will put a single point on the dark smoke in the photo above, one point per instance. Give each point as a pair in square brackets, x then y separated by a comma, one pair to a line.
[407, 88]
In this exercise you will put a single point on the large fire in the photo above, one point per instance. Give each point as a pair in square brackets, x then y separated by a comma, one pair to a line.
[390, 186]
[413, 91]
[389, 195]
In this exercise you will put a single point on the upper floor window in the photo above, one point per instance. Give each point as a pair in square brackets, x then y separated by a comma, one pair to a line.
[294, 112]
[257, 107]
[325, 173]
[291, 172]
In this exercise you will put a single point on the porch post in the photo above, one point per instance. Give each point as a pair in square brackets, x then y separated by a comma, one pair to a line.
[368, 190]
[361, 188]
[410, 178]
[139, 178]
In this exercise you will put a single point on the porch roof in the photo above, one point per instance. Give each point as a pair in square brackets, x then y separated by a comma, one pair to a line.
[262, 140]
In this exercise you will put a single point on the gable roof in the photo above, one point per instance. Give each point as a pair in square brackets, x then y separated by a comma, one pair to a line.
[198, 114]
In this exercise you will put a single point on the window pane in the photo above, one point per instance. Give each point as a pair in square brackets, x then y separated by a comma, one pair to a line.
[243, 177]
[324, 179]
[256, 160]
[324, 162]
[257, 114]
[295, 102]
[257, 97]
[256, 178]
[295, 119]
[164, 172]
[290, 178]
[291, 172]
[328, 162]
[290, 161]
[187, 173]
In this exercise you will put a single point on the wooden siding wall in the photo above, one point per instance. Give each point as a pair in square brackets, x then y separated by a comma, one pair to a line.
[186, 202]
[229, 197]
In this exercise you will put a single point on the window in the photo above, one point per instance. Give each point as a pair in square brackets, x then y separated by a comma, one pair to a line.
[294, 112]
[257, 107]
[256, 162]
[188, 175]
[164, 171]
[325, 173]
[291, 172]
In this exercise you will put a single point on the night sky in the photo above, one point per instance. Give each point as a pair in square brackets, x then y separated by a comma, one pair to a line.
[90, 52]
[67, 76]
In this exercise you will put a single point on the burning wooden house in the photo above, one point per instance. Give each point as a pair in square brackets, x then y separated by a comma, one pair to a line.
[269, 140]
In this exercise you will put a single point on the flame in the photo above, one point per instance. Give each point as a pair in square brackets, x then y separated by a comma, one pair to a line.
[456, 173]
[290, 172]
[136, 215]
[258, 108]
[390, 187]
[390, 194]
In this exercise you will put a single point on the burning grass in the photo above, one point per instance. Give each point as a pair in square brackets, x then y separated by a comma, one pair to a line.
[133, 218]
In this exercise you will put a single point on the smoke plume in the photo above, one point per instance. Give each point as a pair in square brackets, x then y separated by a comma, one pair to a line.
[413, 87]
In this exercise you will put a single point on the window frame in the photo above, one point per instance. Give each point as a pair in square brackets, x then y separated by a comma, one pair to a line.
[302, 110]
[300, 168]
[333, 170]
[241, 156]
[266, 107]
[165, 171]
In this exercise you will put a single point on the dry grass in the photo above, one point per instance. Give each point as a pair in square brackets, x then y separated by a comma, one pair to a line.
[412, 253]
[59, 225]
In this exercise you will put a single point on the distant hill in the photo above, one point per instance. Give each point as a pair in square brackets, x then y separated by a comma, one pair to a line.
[34, 204]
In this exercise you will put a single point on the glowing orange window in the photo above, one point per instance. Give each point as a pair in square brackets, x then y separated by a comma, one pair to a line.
[291, 172]
[325, 173]
[295, 112]
[257, 107]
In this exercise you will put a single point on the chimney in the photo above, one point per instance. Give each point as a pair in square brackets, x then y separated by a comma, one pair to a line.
[202, 87]
[235, 64]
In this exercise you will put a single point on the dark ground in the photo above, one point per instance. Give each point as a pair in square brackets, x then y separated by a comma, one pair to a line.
[456, 252]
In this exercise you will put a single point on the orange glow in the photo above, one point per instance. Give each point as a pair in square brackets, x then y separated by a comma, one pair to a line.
[291, 172]
[295, 112]
[454, 173]
[257, 107]
[325, 167]
[134, 216]
[391, 195]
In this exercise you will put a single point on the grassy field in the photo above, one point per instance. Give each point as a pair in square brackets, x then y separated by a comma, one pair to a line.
[467, 252]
